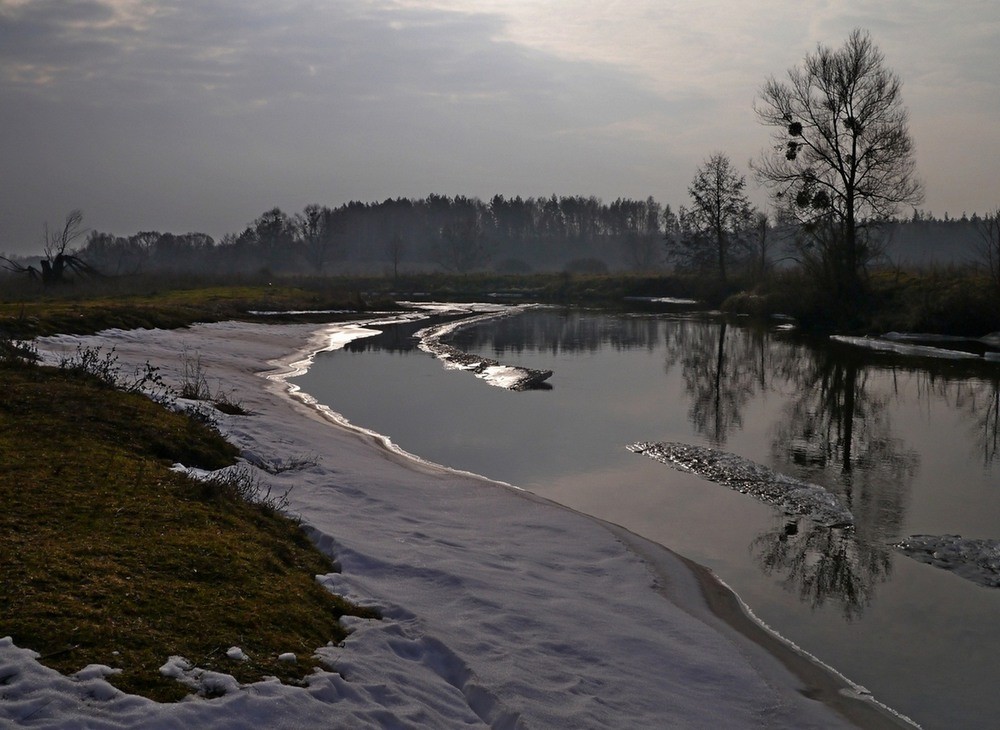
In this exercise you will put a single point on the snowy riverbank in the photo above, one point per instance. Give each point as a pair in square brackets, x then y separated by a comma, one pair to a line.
[501, 610]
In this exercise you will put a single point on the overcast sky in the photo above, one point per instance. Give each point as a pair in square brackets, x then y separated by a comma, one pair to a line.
[200, 115]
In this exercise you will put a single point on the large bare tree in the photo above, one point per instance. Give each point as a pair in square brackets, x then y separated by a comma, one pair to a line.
[842, 160]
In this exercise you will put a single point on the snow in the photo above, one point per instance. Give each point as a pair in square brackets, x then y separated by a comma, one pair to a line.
[793, 496]
[500, 609]
[663, 300]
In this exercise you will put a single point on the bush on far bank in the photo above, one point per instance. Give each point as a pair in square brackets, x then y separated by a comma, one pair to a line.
[954, 301]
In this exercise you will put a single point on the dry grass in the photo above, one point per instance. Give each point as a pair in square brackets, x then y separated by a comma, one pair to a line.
[106, 556]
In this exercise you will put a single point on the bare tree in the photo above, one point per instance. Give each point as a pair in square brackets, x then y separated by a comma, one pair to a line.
[842, 159]
[59, 258]
[714, 230]
[395, 247]
[988, 249]
[762, 243]
[315, 228]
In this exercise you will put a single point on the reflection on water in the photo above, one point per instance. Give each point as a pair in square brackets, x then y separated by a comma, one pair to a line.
[835, 430]
[821, 564]
[979, 399]
[907, 446]
[723, 369]
[545, 331]
[397, 338]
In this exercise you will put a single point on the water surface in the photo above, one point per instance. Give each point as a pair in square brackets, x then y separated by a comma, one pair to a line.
[910, 446]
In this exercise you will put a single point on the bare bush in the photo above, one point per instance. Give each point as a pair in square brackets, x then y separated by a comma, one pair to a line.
[194, 386]
[105, 367]
[243, 483]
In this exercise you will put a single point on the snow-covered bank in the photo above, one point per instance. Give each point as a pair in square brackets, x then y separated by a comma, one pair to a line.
[501, 610]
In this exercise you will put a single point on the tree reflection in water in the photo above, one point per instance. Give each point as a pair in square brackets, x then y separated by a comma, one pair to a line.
[723, 368]
[822, 564]
[979, 399]
[835, 431]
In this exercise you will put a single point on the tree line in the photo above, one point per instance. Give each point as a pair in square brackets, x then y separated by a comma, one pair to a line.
[457, 234]
[460, 234]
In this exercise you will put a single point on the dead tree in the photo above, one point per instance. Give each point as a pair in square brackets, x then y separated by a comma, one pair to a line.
[59, 259]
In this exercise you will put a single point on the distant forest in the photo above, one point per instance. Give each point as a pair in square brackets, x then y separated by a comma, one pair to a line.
[461, 234]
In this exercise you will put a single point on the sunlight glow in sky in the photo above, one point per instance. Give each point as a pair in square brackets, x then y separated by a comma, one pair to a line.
[181, 116]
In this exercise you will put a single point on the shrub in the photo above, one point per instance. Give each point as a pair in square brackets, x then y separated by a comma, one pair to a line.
[104, 367]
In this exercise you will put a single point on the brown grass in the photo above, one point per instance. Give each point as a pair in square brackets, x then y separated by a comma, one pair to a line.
[106, 556]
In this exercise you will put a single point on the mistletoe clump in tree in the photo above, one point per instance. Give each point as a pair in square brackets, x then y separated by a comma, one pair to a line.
[842, 161]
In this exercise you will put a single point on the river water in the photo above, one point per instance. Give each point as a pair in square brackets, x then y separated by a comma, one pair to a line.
[910, 446]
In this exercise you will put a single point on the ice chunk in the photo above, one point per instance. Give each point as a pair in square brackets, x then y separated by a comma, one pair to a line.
[903, 348]
[975, 560]
[793, 496]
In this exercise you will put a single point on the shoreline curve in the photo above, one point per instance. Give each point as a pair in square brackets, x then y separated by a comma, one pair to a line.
[821, 682]
[712, 637]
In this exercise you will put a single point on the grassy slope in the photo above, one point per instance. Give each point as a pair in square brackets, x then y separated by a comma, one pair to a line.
[106, 556]
[109, 557]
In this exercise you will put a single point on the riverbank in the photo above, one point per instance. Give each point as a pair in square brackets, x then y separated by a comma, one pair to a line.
[500, 609]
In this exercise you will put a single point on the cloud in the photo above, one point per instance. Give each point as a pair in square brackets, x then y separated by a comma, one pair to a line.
[201, 116]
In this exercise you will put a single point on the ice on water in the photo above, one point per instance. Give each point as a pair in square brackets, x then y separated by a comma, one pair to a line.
[977, 560]
[899, 347]
[495, 373]
[793, 496]
[972, 559]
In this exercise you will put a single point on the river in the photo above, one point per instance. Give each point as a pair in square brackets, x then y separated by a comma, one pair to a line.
[910, 446]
